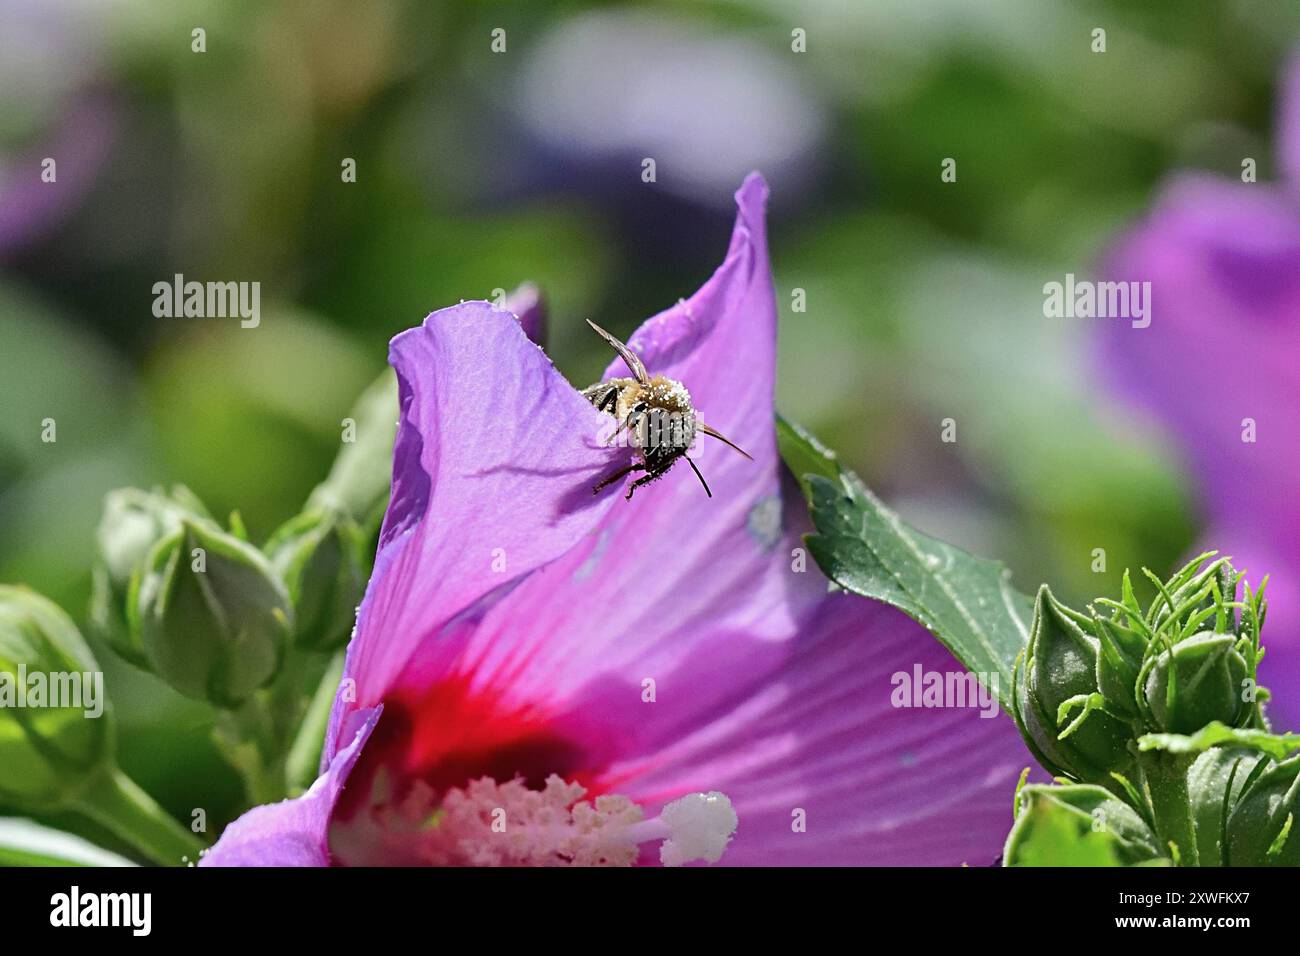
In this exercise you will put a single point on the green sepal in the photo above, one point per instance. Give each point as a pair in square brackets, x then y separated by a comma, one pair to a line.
[1077, 825]
[1214, 784]
[1119, 660]
[1260, 829]
[1216, 734]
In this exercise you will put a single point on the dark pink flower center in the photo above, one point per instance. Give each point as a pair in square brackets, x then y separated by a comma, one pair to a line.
[435, 740]
[454, 775]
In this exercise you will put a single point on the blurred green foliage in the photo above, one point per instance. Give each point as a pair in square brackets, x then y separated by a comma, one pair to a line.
[923, 298]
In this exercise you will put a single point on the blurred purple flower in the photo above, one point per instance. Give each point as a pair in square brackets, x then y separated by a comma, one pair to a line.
[79, 142]
[604, 90]
[50, 56]
[767, 688]
[1223, 259]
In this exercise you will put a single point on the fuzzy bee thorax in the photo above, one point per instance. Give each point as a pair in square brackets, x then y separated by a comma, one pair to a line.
[659, 393]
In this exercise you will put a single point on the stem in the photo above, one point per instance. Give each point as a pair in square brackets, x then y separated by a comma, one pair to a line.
[115, 801]
[1166, 779]
[303, 763]
[256, 737]
[248, 739]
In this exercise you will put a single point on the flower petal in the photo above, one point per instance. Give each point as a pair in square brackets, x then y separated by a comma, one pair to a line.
[494, 462]
[817, 731]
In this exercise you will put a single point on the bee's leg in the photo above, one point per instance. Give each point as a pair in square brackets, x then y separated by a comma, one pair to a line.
[606, 482]
[647, 478]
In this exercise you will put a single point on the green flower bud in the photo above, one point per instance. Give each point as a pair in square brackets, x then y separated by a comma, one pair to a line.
[320, 556]
[56, 733]
[132, 523]
[1057, 703]
[1262, 827]
[212, 615]
[1197, 681]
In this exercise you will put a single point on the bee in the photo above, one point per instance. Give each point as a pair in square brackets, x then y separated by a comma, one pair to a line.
[657, 412]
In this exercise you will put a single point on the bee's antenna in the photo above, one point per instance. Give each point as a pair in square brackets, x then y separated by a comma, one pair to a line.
[714, 433]
[628, 356]
[695, 468]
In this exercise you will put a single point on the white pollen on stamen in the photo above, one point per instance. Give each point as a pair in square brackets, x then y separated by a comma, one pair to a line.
[702, 824]
[487, 823]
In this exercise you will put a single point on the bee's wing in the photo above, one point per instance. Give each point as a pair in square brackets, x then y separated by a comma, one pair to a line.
[628, 356]
[714, 433]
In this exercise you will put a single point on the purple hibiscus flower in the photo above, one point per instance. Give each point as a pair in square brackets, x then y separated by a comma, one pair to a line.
[1220, 364]
[575, 666]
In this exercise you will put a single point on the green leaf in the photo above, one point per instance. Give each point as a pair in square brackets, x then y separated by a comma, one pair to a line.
[1077, 826]
[968, 603]
[1216, 734]
[804, 455]
[24, 843]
